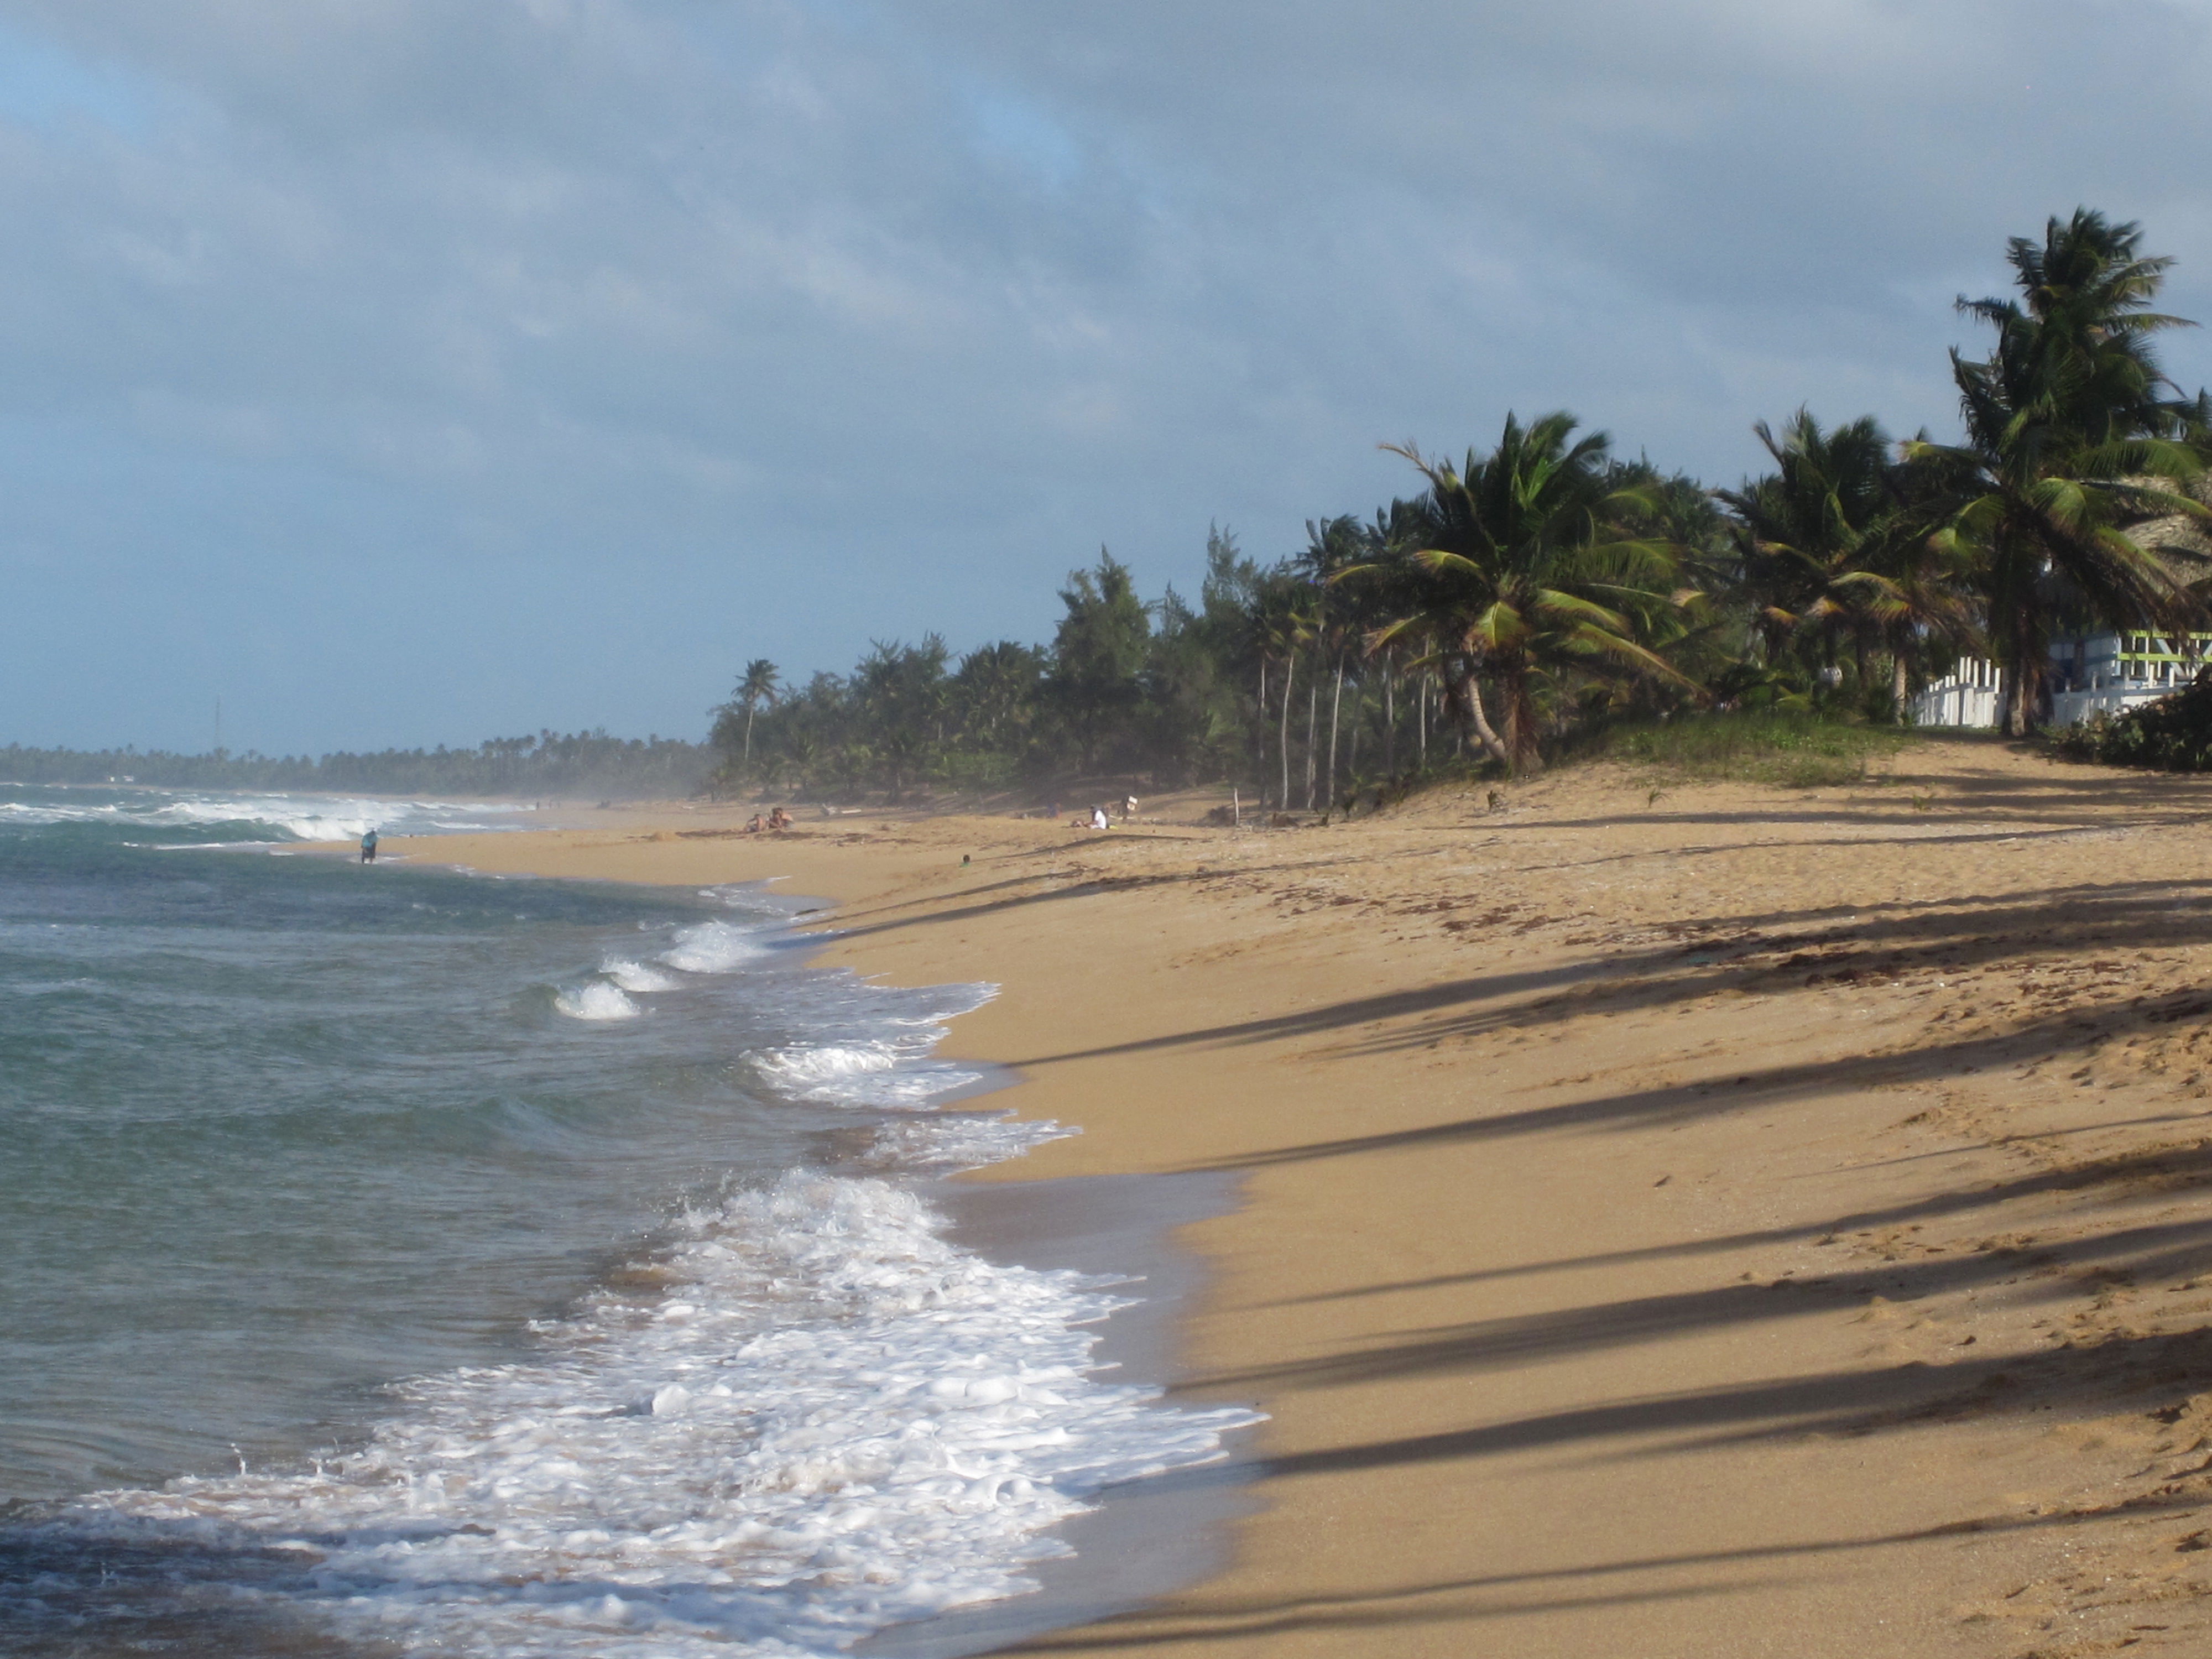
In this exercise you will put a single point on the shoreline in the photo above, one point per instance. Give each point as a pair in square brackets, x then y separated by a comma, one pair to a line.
[1706, 1219]
[1141, 1540]
[895, 1287]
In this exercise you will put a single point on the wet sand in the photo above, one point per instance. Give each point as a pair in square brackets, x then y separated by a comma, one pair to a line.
[1677, 1218]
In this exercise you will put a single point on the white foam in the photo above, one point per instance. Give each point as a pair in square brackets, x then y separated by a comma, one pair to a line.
[895, 1076]
[306, 817]
[960, 1140]
[836, 1421]
[828, 1419]
[713, 947]
[806, 1066]
[596, 999]
[636, 977]
[750, 897]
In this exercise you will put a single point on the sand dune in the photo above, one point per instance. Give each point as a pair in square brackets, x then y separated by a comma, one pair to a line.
[1678, 1218]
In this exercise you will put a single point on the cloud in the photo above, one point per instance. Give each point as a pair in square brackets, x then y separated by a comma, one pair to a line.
[540, 360]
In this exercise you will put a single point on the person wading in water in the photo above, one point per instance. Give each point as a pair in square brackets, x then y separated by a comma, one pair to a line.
[368, 848]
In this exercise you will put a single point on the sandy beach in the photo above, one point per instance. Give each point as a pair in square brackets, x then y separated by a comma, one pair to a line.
[1677, 1218]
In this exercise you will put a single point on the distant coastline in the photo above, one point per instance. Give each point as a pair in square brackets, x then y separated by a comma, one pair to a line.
[580, 766]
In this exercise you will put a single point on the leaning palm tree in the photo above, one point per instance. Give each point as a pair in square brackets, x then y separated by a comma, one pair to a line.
[1521, 572]
[760, 682]
[2070, 439]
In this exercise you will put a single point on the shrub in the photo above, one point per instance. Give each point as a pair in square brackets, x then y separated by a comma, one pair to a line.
[2173, 734]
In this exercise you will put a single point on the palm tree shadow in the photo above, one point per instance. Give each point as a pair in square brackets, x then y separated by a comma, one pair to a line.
[1198, 1619]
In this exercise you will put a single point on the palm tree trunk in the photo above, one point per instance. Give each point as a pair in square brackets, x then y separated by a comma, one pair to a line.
[1421, 716]
[1390, 712]
[1898, 685]
[1289, 676]
[1335, 707]
[750, 708]
[2025, 710]
[2022, 682]
[1496, 749]
[1260, 730]
[1313, 712]
[1521, 737]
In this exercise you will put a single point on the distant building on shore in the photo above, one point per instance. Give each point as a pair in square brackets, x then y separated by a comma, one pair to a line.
[2090, 674]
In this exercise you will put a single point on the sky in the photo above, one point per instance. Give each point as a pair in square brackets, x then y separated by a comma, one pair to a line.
[399, 371]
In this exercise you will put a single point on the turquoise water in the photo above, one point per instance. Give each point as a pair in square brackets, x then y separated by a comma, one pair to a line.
[414, 1261]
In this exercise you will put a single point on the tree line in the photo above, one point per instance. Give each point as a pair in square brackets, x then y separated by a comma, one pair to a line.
[551, 764]
[1544, 585]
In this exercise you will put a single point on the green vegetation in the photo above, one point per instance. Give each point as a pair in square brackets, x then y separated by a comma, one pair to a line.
[1799, 751]
[2173, 734]
[1546, 596]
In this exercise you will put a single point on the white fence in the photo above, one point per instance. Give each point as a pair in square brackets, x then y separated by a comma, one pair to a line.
[2072, 707]
[1962, 700]
[1969, 697]
[1966, 698]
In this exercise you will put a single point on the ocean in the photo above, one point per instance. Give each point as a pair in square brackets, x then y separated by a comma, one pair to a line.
[396, 1260]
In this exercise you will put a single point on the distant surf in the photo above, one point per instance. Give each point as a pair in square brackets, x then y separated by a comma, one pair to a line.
[271, 816]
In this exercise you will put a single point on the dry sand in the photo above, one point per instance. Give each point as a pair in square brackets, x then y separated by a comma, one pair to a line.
[1737, 1221]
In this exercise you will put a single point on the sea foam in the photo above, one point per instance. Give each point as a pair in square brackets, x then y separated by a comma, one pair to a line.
[893, 1076]
[301, 817]
[596, 999]
[636, 977]
[822, 1418]
[714, 947]
[835, 1420]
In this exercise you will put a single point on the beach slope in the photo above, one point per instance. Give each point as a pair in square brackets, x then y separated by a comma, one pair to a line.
[1677, 1218]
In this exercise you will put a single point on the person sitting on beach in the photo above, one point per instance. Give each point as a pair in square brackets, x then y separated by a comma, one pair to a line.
[753, 825]
[1128, 807]
[779, 819]
[368, 848]
[1098, 820]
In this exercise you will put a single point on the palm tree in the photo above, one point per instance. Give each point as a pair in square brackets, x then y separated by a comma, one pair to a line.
[1808, 531]
[2068, 442]
[1283, 622]
[1524, 573]
[1390, 587]
[1833, 547]
[1331, 546]
[996, 689]
[760, 682]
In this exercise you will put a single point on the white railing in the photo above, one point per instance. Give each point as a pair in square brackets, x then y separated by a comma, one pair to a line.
[2072, 707]
[1967, 696]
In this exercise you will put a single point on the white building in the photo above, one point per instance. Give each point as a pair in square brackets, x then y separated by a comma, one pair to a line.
[2106, 673]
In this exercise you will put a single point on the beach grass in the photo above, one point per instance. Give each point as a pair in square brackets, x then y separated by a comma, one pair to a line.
[1794, 750]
